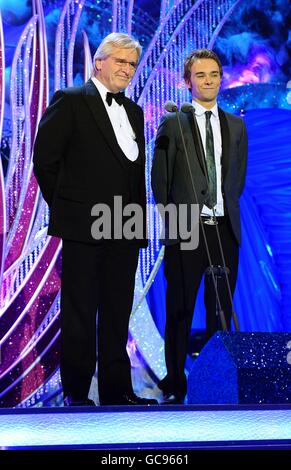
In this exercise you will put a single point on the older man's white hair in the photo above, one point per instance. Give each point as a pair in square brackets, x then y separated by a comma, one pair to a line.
[113, 41]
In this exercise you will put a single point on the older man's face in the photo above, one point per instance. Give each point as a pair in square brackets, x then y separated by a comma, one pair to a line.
[117, 70]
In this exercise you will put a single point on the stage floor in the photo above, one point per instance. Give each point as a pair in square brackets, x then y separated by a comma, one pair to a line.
[155, 427]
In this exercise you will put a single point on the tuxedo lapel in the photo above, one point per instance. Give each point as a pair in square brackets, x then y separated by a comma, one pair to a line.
[96, 105]
[136, 125]
[196, 136]
[225, 138]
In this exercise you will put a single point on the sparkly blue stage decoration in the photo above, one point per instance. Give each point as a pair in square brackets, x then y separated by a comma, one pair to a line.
[242, 368]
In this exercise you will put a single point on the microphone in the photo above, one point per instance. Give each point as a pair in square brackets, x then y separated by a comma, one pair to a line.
[189, 108]
[171, 107]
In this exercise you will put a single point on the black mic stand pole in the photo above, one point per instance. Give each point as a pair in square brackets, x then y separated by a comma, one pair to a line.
[173, 108]
[186, 108]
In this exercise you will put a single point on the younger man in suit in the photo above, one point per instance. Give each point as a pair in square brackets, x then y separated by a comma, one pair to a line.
[218, 181]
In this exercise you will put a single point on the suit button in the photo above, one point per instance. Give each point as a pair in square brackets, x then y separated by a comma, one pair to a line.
[203, 192]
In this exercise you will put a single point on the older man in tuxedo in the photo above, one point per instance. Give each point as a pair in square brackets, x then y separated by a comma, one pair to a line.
[217, 171]
[89, 150]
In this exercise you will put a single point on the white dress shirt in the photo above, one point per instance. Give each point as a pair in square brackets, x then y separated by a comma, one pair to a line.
[215, 124]
[123, 131]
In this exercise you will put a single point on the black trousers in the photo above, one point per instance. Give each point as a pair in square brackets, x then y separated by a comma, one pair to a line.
[96, 278]
[184, 271]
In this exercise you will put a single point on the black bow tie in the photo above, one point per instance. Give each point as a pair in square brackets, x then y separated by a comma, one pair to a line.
[119, 98]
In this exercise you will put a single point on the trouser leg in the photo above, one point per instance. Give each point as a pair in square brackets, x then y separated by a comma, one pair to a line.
[117, 291]
[79, 300]
[183, 271]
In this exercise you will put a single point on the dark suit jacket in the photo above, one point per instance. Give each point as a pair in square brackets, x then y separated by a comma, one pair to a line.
[171, 181]
[78, 162]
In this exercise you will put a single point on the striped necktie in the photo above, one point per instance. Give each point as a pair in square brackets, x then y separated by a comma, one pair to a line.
[210, 163]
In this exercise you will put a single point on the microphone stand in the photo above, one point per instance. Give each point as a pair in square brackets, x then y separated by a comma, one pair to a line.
[172, 107]
[186, 108]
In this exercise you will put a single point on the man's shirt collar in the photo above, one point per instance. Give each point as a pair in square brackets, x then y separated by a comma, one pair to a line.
[199, 109]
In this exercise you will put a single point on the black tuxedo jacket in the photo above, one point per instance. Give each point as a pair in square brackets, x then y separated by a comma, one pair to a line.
[171, 181]
[78, 162]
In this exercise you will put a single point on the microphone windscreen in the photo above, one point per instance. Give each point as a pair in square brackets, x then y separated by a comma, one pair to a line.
[171, 107]
[187, 107]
